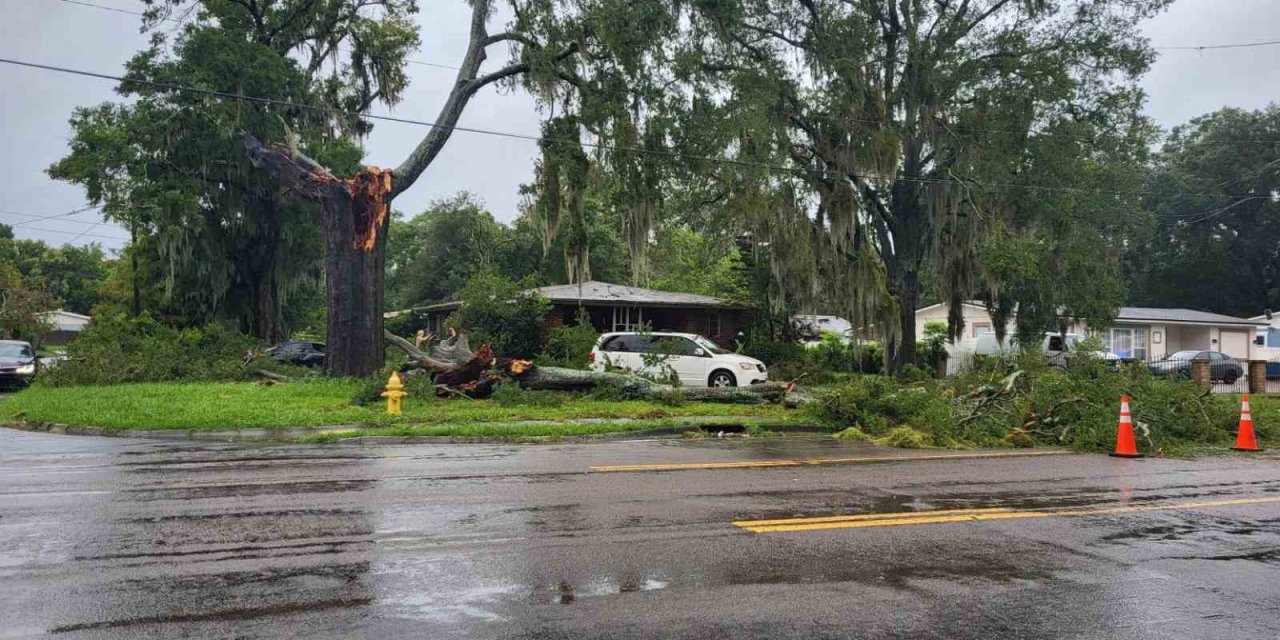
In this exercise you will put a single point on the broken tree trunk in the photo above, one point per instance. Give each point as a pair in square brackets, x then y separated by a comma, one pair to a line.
[354, 220]
[560, 379]
[456, 367]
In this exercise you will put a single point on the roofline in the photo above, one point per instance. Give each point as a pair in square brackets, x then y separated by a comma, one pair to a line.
[449, 306]
[1200, 323]
[70, 313]
[943, 304]
[1238, 322]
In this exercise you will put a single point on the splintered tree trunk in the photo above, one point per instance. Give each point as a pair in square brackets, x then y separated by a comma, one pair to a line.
[353, 280]
[354, 220]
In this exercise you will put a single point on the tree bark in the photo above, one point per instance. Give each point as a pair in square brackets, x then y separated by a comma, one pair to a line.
[354, 288]
[354, 252]
[559, 379]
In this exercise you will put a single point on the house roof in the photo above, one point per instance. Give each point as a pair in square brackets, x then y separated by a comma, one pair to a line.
[594, 292]
[1152, 314]
[63, 320]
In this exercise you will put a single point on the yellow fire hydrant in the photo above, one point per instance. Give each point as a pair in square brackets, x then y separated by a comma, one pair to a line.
[394, 394]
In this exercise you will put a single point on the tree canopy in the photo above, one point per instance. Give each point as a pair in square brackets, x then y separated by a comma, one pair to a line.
[1213, 193]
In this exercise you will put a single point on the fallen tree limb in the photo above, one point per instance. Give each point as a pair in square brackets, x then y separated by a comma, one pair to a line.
[459, 370]
[275, 377]
[635, 387]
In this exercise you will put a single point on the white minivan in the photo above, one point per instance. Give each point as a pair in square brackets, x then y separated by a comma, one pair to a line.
[695, 360]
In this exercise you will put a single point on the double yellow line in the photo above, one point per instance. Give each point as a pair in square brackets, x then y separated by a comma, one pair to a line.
[966, 515]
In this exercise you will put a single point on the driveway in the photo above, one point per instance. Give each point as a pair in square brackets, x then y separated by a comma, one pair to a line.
[116, 538]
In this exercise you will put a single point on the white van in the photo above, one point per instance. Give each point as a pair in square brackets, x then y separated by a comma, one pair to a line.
[695, 360]
[1058, 348]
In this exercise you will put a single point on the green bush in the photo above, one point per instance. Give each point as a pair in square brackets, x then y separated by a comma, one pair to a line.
[118, 349]
[501, 312]
[568, 346]
[1022, 401]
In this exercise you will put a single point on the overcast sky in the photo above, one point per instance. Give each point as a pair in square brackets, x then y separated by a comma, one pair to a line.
[36, 104]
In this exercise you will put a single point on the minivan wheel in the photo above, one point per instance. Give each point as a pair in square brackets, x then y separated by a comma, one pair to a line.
[722, 378]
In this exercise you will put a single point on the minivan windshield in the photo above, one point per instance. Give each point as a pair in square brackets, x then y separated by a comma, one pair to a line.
[710, 346]
[15, 351]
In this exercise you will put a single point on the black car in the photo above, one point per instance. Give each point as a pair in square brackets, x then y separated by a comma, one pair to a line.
[17, 364]
[296, 352]
[1221, 366]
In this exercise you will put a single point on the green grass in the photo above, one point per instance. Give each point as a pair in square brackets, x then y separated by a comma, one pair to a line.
[328, 402]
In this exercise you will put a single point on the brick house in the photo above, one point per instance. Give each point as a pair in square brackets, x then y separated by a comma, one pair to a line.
[615, 307]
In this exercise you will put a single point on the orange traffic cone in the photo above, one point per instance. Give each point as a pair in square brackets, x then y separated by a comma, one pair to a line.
[1126, 446]
[1245, 438]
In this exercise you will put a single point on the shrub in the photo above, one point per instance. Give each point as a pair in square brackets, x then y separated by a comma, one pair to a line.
[569, 345]
[118, 349]
[503, 313]
[1022, 401]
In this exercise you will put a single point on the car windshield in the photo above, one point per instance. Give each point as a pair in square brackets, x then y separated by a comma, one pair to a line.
[710, 346]
[1182, 355]
[15, 351]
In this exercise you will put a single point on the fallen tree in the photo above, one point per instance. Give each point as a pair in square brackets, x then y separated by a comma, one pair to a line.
[458, 369]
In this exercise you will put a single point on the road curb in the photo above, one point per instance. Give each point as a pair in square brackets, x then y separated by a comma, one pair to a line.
[287, 435]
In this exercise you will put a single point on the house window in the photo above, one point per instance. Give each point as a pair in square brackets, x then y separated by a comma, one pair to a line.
[980, 328]
[1127, 342]
[627, 318]
[713, 324]
[1273, 338]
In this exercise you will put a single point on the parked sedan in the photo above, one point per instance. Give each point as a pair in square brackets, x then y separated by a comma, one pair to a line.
[1221, 366]
[17, 364]
[296, 352]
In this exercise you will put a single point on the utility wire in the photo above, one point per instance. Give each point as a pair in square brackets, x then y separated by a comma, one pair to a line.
[38, 218]
[596, 145]
[1242, 45]
[78, 234]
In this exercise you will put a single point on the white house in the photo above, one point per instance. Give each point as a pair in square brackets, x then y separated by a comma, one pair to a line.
[66, 325]
[1267, 344]
[1141, 333]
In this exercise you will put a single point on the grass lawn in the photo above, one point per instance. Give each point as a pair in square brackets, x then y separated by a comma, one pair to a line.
[328, 402]
[1266, 415]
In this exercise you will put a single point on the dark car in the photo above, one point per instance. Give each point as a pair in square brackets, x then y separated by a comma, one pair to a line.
[17, 364]
[1221, 366]
[296, 352]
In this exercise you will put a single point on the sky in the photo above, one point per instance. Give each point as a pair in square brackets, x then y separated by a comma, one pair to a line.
[36, 105]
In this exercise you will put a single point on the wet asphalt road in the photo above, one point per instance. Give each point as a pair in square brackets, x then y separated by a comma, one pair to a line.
[113, 538]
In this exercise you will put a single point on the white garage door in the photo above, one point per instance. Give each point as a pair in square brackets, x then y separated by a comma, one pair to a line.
[1235, 344]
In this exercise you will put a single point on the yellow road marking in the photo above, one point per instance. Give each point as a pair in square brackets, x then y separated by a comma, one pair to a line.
[966, 515]
[867, 516]
[751, 464]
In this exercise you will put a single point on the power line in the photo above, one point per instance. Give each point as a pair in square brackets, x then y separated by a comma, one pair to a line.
[1242, 45]
[38, 218]
[77, 234]
[540, 139]
[92, 5]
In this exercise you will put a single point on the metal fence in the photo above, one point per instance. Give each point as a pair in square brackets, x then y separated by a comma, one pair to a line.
[1226, 374]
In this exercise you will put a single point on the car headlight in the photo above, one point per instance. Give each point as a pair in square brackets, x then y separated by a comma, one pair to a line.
[26, 369]
[746, 366]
